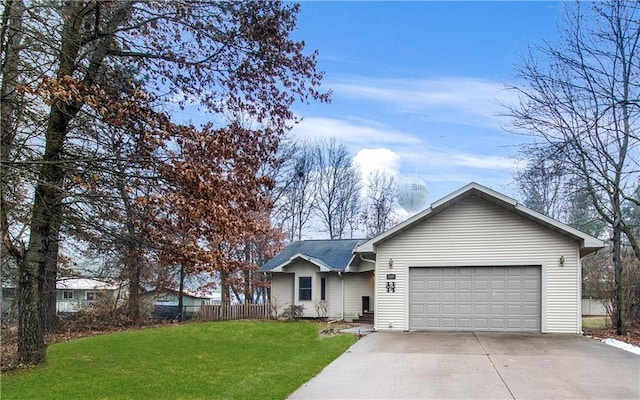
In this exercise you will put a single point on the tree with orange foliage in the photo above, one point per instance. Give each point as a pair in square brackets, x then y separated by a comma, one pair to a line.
[123, 64]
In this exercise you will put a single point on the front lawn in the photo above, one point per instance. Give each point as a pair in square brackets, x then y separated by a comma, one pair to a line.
[230, 360]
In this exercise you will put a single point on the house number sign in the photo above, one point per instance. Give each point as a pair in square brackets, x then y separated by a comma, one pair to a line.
[391, 276]
[391, 287]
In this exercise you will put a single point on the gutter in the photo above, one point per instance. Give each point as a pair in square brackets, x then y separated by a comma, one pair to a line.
[342, 280]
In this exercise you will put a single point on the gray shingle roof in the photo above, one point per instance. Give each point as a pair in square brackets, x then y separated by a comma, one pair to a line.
[335, 254]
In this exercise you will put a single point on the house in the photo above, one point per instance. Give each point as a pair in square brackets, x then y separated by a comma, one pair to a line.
[75, 293]
[321, 276]
[475, 260]
[165, 301]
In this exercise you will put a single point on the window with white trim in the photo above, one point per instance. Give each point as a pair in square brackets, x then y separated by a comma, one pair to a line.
[304, 288]
[67, 294]
[93, 296]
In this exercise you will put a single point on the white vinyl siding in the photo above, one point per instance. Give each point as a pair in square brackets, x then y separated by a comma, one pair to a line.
[282, 291]
[358, 285]
[285, 290]
[476, 232]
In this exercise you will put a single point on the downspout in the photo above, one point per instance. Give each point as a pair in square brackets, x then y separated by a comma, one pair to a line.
[367, 260]
[342, 280]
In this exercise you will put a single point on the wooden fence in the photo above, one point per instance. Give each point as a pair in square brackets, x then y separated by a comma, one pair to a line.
[228, 312]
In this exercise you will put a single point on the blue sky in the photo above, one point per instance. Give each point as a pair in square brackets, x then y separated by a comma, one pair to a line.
[417, 85]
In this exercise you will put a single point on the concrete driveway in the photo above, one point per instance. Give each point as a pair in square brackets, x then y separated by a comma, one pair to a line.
[421, 365]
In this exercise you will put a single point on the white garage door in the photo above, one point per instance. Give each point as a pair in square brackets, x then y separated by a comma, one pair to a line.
[475, 298]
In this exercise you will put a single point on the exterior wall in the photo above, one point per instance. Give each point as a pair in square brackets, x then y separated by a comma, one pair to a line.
[284, 290]
[305, 269]
[476, 232]
[79, 299]
[357, 286]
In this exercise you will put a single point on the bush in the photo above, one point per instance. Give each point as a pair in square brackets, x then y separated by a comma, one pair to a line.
[599, 281]
[98, 315]
[293, 312]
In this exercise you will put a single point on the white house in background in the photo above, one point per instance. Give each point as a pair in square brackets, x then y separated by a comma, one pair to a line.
[75, 293]
[164, 302]
[475, 260]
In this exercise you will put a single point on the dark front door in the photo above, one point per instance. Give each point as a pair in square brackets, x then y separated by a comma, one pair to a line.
[365, 304]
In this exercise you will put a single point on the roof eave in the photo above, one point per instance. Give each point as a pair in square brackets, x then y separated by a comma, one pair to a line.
[322, 266]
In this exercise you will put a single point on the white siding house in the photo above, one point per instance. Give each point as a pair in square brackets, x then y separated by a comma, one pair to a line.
[72, 294]
[477, 260]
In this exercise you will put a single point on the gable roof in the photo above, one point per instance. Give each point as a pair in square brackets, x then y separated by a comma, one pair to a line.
[588, 243]
[328, 255]
[83, 284]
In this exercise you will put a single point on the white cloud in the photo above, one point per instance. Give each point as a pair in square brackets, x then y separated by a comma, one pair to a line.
[381, 159]
[462, 100]
[353, 132]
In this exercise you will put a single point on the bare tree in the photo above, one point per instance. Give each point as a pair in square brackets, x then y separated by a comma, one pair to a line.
[338, 189]
[300, 188]
[581, 98]
[378, 214]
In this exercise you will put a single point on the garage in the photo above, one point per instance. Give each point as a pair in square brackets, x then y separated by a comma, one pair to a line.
[505, 299]
[477, 260]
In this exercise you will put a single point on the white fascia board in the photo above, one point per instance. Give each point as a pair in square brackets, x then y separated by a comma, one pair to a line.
[588, 241]
[323, 267]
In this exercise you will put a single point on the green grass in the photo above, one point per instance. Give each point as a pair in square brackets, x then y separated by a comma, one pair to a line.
[223, 360]
[595, 322]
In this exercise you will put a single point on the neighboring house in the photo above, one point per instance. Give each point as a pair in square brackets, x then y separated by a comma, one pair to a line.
[310, 272]
[165, 301]
[75, 293]
[476, 260]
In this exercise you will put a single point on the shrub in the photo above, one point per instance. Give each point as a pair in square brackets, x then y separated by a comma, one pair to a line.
[293, 312]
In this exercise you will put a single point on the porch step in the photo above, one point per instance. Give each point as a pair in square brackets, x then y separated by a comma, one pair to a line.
[366, 318]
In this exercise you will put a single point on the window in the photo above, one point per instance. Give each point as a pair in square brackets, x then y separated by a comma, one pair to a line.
[67, 294]
[8, 293]
[323, 288]
[92, 296]
[304, 288]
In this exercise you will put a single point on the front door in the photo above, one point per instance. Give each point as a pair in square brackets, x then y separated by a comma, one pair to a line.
[365, 304]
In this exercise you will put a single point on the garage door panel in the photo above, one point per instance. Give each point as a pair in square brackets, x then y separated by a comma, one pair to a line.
[465, 297]
[480, 297]
[432, 285]
[432, 309]
[448, 309]
[433, 297]
[465, 284]
[514, 297]
[481, 284]
[476, 298]
[448, 297]
[497, 309]
[531, 323]
[496, 297]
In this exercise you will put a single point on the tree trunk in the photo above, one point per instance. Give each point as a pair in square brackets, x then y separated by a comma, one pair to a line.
[10, 109]
[181, 295]
[621, 323]
[49, 275]
[133, 274]
[31, 346]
